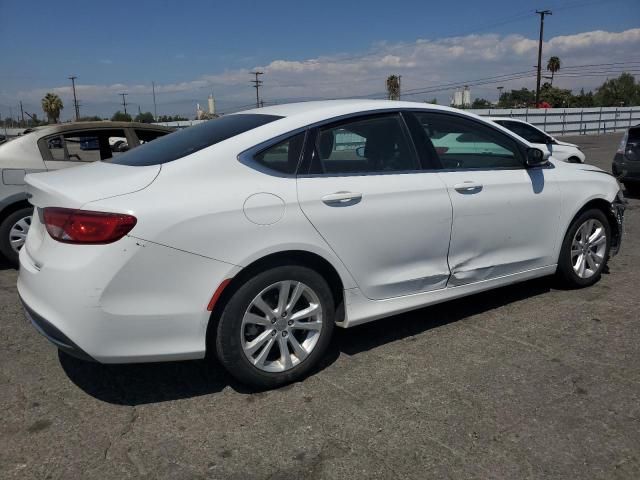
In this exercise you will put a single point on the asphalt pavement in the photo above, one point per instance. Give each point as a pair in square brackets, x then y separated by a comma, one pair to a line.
[527, 381]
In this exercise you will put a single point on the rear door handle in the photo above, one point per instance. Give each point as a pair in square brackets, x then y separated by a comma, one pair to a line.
[342, 198]
[468, 187]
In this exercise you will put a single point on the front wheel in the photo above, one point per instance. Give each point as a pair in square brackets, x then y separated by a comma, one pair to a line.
[585, 249]
[13, 233]
[276, 326]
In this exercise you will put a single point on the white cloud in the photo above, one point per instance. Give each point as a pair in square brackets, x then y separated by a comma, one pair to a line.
[423, 63]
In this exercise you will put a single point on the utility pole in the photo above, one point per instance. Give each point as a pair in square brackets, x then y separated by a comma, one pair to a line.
[399, 86]
[499, 93]
[542, 13]
[124, 101]
[256, 84]
[21, 114]
[75, 99]
[11, 115]
[155, 112]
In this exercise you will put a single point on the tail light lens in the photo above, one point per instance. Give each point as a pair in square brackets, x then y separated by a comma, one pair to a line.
[623, 143]
[83, 226]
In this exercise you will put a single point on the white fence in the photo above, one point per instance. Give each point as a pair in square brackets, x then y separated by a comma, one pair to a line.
[571, 121]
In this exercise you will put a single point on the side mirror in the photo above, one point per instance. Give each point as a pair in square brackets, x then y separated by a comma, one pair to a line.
[551, 140]
[360, 152]
[536, 157]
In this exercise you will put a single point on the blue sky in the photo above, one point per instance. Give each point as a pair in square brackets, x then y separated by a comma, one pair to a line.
[192, 47]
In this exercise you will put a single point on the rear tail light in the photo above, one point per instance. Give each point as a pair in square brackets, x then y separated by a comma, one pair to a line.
[83, 226]
[623, 143]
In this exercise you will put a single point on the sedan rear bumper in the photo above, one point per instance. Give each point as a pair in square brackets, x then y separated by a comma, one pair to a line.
[55, 336]
[127, 302]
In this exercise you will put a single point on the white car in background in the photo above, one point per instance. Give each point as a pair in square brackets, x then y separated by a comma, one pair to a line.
[566, 152]
[254, 234]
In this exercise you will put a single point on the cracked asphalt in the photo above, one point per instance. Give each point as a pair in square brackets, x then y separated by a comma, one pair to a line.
[523, 382]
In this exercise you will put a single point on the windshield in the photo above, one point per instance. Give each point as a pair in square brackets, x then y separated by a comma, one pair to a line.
[191, 139]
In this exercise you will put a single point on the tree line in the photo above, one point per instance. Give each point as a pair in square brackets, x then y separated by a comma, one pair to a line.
[615, 92]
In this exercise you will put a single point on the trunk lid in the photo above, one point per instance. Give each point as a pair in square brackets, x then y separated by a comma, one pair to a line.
[74, 187]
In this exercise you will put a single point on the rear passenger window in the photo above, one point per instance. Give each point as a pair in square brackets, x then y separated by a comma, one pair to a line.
[56, 147]
[87, 145]
[284, 156]
[365, 145]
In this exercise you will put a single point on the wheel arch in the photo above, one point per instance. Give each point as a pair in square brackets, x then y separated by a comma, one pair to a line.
[287, 257]
[13, 203]
[603, 205]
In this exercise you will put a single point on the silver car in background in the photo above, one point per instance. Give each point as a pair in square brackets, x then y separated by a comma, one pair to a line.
[51, 148]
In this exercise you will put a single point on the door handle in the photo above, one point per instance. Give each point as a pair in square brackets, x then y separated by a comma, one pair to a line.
[342, 198]
[468, 187]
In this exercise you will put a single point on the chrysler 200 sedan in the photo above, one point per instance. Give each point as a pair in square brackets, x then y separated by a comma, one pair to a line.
[251, 236]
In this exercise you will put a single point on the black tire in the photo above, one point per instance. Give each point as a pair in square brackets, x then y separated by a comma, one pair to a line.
[574, 160]
[566, 272]
[228, 336]
[5, 228]
[117, 147]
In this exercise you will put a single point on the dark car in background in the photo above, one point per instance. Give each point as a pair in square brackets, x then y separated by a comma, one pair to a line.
[626, 163]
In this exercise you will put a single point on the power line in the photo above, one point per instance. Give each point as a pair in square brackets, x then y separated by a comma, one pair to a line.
[256, 84]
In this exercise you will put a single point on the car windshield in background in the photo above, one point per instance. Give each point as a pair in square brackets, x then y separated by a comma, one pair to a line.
[191, 139]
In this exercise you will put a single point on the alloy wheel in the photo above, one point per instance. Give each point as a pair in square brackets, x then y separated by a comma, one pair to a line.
[588, 248]
[18, 233]
[281, 326]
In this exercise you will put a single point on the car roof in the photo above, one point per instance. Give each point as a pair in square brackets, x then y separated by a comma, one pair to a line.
[64, 127]
[332, 108]
[511, 119]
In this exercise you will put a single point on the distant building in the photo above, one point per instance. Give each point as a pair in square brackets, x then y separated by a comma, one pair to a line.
[461, 98]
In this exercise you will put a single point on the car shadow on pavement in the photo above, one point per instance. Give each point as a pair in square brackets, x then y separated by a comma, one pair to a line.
[137, 384]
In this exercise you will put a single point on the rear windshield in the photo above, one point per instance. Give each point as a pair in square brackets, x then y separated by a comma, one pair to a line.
[191, 139]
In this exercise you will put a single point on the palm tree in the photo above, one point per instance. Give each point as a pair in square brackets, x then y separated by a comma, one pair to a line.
[51, 105]
[553, 65]
[393, 87]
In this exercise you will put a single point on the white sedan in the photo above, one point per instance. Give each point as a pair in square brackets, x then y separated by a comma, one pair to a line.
[254, 234]
[566, 152]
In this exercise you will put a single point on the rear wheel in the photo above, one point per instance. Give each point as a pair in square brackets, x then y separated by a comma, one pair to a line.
[574, 160]
[13, 233]
[585, 249]
[276, 326]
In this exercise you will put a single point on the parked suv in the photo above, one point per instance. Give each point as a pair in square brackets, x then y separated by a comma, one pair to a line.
[567, 152]
[51, 148]
[626, 163]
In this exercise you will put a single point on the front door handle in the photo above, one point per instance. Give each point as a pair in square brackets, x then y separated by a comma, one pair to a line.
[342, 198]
[468, 187]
